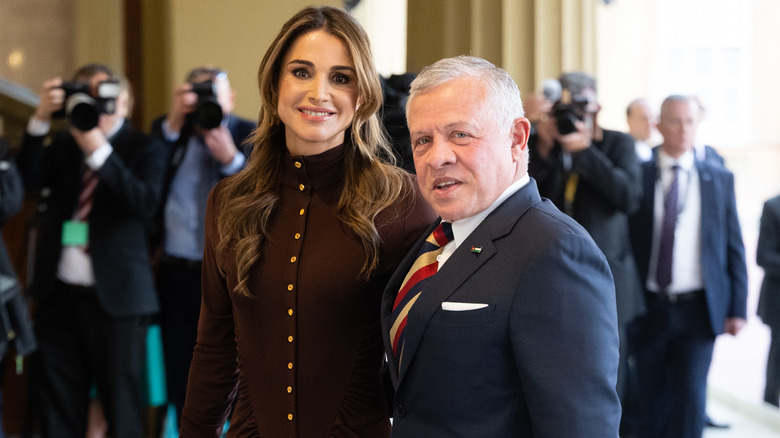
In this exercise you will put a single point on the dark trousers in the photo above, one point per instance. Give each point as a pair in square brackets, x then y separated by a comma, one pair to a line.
[179, 289]
[80, 345]
[673, 344]
[772, 388]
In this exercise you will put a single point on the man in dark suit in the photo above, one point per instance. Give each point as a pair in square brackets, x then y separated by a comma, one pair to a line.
[592, 174]
[688, 247]
[768, 257]
[208, 144]
[99, 187]
[516, 335]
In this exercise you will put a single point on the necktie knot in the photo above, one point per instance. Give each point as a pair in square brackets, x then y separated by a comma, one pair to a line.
[442, 234]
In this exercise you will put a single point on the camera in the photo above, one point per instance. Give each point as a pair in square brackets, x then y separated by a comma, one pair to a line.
[208, 111]
[568, 110]
[82, 110]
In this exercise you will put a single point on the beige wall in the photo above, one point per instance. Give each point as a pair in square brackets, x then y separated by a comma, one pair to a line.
[233, 35]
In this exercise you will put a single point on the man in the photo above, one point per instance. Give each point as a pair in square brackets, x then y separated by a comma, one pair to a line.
[768, 257]
[202, 155]
[516, 335]
[641, 124]
[592, 174]
[688, 246]
[92, 280]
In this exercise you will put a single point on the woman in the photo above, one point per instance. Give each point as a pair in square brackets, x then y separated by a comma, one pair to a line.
[299, 246]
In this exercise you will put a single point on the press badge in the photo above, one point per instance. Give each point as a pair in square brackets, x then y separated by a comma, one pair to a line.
[75, 233]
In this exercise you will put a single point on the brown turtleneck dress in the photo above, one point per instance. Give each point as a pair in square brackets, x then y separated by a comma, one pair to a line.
[304, 356]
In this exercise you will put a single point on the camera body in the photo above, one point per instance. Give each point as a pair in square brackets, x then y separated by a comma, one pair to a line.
[568, 110]
[82, 110]
[208, 111]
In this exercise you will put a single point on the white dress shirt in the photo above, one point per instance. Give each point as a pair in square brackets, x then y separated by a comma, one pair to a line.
[686, 256]
[463, 227]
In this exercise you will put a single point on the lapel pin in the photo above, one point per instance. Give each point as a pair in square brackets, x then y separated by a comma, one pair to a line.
[476, 249]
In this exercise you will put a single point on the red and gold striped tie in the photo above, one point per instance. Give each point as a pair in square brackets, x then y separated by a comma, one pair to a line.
[423, 268]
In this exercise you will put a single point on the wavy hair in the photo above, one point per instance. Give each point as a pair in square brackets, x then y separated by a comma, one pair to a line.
[371, 182]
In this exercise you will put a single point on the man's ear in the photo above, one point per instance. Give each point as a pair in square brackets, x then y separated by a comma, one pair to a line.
[521, 129]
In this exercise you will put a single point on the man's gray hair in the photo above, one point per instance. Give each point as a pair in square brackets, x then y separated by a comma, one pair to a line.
[503, 96]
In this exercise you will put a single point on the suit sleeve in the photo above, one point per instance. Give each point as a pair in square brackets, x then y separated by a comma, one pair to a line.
[768, 251]
[564, 338]
[615, 176]
[137, 186]
[213, 378]
[737, 267]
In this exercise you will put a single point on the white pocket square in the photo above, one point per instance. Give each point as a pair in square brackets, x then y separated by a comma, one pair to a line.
[460, 307]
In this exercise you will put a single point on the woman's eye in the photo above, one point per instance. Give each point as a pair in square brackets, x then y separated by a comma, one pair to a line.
[461, 135]
[300, 73]
[341, 79]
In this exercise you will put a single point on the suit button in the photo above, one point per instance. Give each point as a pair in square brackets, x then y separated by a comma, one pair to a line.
[400, 411]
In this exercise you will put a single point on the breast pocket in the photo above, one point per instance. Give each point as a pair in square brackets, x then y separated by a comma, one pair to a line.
[465, 318]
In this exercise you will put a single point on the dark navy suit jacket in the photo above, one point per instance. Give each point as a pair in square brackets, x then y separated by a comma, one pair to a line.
[722, 250]
[540, 360]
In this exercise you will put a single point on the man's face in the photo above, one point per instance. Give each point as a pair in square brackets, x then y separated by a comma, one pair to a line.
[463, 157]
[678, 127]
[641, 121]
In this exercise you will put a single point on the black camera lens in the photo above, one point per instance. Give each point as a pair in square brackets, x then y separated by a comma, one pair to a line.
[208, 112]
[82, 112]
[565, 121]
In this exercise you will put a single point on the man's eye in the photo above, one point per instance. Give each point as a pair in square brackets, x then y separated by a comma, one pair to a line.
[460, 135]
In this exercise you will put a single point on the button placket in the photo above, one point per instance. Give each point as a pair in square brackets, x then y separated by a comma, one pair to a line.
[303, 194]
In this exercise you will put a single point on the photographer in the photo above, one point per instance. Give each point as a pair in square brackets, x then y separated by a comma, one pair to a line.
[592, 174]
[207, 140]
[92, 278]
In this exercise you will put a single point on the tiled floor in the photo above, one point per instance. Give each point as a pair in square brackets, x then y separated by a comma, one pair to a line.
[747, 420]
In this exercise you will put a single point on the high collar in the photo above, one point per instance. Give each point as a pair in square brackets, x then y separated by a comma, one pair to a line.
[314, 171]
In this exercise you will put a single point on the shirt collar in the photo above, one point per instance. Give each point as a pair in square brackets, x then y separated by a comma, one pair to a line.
[685, 161]
[462, 228]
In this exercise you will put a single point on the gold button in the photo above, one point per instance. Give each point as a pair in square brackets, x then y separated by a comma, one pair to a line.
[293, 259]
[289, 339]
[298, 164]
[289, 365]
[289, 389]
[301, 187]
[290, 312]
[289, 417]
[301, 212]
[297, 236]
[290, 286]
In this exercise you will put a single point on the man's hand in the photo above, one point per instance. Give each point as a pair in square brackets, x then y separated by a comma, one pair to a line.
[52, 98]
[220, 144]
[578, 140]
[734, 325]
[184, 101]
[90, 140]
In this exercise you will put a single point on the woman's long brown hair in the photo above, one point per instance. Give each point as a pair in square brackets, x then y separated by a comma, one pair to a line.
[370, 183]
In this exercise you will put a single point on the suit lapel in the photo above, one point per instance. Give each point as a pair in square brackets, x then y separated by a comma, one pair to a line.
[461, 265]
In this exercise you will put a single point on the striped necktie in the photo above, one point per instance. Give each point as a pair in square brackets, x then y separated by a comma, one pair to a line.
[663, 273]
[423, 268]
[89, 181]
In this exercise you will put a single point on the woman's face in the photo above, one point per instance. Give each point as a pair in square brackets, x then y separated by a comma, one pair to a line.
[318, 93]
